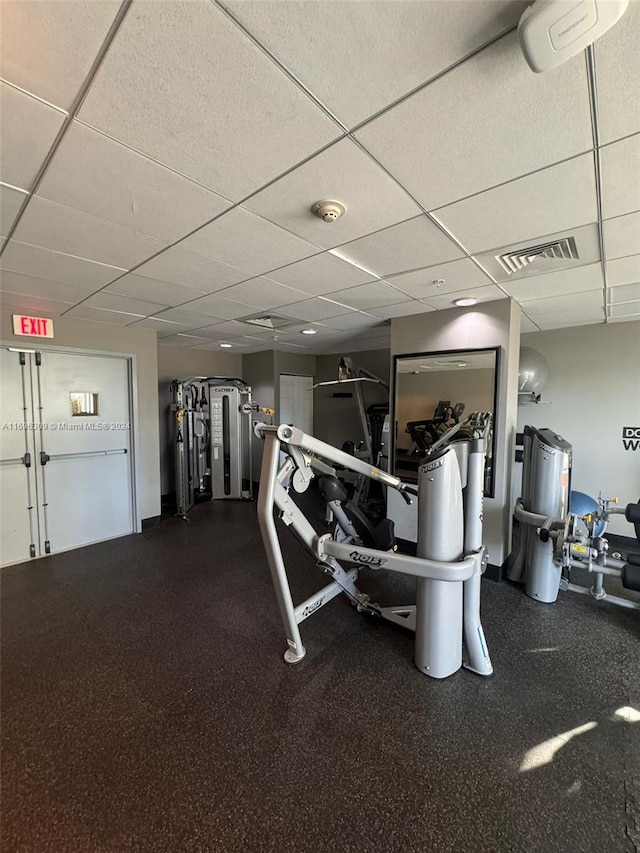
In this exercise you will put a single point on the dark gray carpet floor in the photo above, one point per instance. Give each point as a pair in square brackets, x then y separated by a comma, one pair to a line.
[146, 707]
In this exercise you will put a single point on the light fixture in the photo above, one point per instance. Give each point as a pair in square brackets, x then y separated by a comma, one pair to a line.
[226, 346]
[463, 303]
[309, 331]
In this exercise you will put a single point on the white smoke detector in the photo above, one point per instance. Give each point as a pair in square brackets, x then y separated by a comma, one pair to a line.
[328, 211]
[552, 31]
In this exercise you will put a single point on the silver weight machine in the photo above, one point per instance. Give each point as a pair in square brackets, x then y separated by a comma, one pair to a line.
[212, 440]
[450, 555]
[553, 540]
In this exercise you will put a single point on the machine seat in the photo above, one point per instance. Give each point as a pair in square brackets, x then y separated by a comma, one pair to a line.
[381, 537]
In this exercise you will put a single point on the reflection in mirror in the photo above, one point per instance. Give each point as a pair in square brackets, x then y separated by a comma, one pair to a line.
[435, 391]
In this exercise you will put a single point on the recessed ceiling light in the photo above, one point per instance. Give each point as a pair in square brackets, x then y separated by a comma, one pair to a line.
[462, 364]
[226, 346]
[462, 303]
[309, 332]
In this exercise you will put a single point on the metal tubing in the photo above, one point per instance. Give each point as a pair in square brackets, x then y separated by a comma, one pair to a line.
[612, 599]
[268, 479]
[328, 592]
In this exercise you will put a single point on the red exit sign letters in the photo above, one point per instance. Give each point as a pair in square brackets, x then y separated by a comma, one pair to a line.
[32, 327]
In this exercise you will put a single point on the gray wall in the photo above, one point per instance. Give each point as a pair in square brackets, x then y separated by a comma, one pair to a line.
[140, 343]
[592, 393]
[179, 363]
[487, 325]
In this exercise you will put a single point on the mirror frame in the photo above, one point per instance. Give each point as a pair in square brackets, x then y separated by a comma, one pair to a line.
[490, 491]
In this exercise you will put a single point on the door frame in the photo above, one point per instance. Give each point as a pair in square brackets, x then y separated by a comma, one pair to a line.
[132, 401]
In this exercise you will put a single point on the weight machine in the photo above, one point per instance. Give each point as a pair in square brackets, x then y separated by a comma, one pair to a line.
[554, 540]
[450, 555]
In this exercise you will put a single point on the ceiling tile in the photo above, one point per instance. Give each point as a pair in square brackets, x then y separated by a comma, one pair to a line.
[629, 318]
[183, 84]
[48, 48]
[344, 173]
[20, 302]
[488, 293]
[166, 327]
[27, 131]
[187, 316]
[99, 315]
[181, 340]
[320, 274]
[375, 294]
[527, 325]
[623, 271]
[454, 276]
[575, 305]
[11, 200]
[41, 287]
[619, 162]
[629, 309]
[229, 327]
[558, 283]
[407, 246]
[98, 175]
[114, 302]
[355, 320]
[402, 309]
[463, 133]
[587, 317]
[315, 309]
[624, 293]
[190, 270]
[53, 226]
[140, 287]
[32, 260]
[617, 74]
[555, 199]
[241, 238]
[414, 41]
[621, 235]
[263, 293]
[219, 306]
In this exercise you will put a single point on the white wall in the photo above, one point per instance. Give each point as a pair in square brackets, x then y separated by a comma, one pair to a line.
[489, 325]
[103, 337]
[593, 392]
[179, 363]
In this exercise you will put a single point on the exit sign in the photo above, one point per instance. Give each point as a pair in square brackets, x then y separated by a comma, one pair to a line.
[32, 327]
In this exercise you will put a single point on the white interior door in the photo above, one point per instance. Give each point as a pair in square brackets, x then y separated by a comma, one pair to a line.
[80, 483]
[296, 401]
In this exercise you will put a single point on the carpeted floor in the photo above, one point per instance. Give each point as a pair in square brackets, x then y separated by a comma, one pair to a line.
[146, 707]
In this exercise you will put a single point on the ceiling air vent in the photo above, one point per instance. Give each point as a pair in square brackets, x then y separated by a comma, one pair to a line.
[558, 250]
[273, 322]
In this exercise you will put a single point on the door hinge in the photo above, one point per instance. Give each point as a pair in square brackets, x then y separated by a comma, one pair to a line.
[44, 457]
[47, 547]
[38, 359]
[32, 550]
[22, 357]
[26, 460]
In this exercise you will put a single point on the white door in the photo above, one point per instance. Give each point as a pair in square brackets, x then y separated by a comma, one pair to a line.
[296, 401]
[80, 421]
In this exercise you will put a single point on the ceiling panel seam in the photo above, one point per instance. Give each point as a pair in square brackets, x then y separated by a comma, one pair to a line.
[595, 130]
[77, 103]
[33, 97]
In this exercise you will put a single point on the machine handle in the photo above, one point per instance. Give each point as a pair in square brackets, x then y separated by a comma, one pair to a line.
[406, 491]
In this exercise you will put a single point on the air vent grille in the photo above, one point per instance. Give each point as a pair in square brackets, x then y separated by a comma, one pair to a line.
[269, 321]
[558, 250]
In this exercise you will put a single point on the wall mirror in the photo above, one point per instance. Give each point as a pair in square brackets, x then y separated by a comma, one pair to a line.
[435, 390]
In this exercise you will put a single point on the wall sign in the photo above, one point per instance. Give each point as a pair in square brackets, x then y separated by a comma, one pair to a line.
[631, 438]
[32, 327]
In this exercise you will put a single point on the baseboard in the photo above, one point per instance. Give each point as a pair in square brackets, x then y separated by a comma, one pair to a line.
[150, 523]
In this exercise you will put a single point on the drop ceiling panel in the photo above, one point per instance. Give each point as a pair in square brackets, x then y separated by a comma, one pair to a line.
[21, 303]
[629, 309]
[407, 246]
[620, 168]
[139, 287]
[27, 131]
[48, 48]
[187, 316]
[241, 238]
[624, 293]
[454, 276]
[97, 175]
[621, 235]
[219, 306]
[41, 287]
[181, 340]
[488, 293]
[623, 271]
[355, 320]
[263, 293]
[32, 260]
[414, 41]
[631, 318]
[190, 270]
[11, 200]
[573, 305]
[99, 315]
[344, 173]
[315, 309]
[165, 327]
[184, 85]
[527, 325]
[460, 136]
[561, 282]
[115, 302]
[555, 199]
[375, 294]
[229, 327]
[53, 226]
[320, 274]
[617, 75]
[585, 317]
[402, 309]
